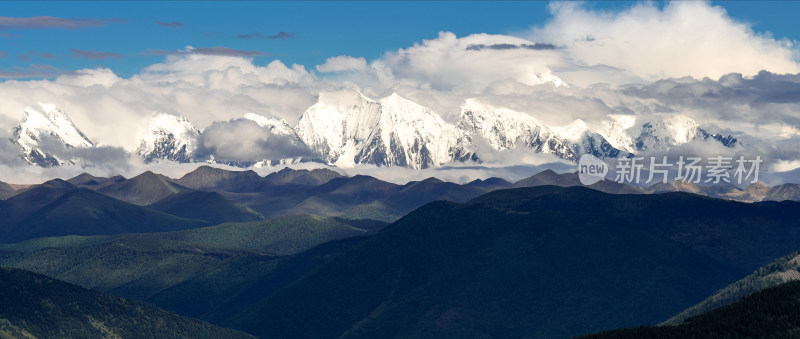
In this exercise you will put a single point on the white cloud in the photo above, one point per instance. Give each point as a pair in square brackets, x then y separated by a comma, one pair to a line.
[449, 62]
[222, 72]
[342, 63]
[203, 88]
[89, 77]
[685, 38]
[244, 140]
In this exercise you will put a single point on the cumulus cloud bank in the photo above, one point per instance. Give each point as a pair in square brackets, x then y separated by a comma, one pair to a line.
[203, 88]
[244, 140]
[684, 38]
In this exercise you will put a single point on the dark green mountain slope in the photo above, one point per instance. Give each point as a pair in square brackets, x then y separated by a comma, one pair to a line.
[771, 313]
[746, 236]
[234, 287]
[273, 201]
[211, 178]
[288, 176]
[535, 262]
[354, 190]
[32, 305]
[140, 265]
[88, 180]
[491, 183]
[327, 193]
[549, 177]
[46, 211]
[368, 197]
[775, 273]
[85, 212]
[281, 235]
[28, 201]
[417, 193]
[6, 191]
[128, 266]
[191, 279]
[340, 195]
[143, 189]
[209, 206]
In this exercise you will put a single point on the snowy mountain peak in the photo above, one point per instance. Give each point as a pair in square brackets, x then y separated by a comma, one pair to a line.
[397, 100]
[615, 130]
[674, 130]
[169, 137]
[476, 108]
[502, 128]
[549, 77]
[392, 131]
[574, 131]
[49, 120]
[275, 126]
[413, 135]
[395, 108]
[334, 121]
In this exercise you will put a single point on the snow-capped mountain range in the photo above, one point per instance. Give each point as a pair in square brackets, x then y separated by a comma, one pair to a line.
[505, 129]
[392, 131]
[674, 131]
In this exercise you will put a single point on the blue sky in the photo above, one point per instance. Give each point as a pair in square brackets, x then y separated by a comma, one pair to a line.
[127, 38]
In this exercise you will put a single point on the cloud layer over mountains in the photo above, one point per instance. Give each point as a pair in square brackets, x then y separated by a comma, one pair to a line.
[644, 63]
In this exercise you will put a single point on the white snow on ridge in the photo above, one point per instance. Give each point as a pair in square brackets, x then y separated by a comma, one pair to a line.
[501, 127]
[337, 127]
[275, 126]
[679, 128]
[168, 137]
[574, 131]
[422, 135]
[506, 129]
[49, 120]
[615, 131]
[549, 77]
[393, 131]
[665, 133]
